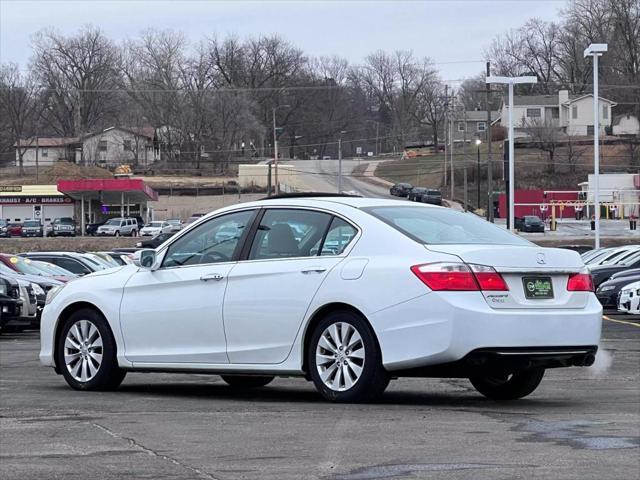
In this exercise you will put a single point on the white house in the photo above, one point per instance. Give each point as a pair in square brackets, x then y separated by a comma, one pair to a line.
[571, 113]
[110, 147]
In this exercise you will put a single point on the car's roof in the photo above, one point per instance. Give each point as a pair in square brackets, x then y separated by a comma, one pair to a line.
[357, 202]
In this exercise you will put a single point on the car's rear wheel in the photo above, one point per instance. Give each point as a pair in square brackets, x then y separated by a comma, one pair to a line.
[247, 381]
[344, 359]
[86, 352]
[508, 386]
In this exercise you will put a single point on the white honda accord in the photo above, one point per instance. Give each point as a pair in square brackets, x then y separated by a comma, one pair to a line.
[347, 292]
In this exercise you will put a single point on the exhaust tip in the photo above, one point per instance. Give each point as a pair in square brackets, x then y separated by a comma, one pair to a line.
[589, 359]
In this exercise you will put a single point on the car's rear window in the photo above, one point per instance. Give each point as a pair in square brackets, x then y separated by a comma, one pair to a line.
[442, 226]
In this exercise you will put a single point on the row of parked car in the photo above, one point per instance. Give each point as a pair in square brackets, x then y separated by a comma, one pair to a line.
[616, 276]
[26, 278]
[66, 226]
[416, 194]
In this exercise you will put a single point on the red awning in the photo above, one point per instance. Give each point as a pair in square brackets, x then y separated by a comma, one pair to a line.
[134, 188]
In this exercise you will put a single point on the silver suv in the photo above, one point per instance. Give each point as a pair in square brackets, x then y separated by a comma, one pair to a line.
[116, 227]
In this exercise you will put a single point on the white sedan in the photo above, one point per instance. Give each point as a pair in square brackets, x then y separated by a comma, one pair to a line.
[629, 300]
[152, 229]
[346, 292]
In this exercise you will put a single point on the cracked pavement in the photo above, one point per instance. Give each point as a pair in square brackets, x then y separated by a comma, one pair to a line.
[578, 424]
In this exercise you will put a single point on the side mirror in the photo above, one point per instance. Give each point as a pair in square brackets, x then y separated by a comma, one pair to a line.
[145, 259]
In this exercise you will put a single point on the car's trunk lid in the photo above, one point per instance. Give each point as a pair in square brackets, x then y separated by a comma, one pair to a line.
[522, 268]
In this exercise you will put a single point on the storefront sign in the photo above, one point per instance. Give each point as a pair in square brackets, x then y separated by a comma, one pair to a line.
[35, 200]
[11, 188]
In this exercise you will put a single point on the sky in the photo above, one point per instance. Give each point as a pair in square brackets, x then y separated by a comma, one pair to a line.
[453, 33]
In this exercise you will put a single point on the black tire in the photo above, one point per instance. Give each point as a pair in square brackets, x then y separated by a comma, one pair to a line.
[247, 381]
[109, 376]
[508, 387]
[373, 379]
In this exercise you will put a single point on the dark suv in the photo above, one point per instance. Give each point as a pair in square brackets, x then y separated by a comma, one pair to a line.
[416, 194]
[32, 228]
[434, 197]
[63, 226]
[400, 189]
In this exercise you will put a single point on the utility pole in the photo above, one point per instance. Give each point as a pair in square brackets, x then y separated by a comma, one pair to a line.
[37, 153]
[446, 131]
[275, 151]
[377, 136]
[340, 161]
[453, 110]
[464, 173]
[489, 158]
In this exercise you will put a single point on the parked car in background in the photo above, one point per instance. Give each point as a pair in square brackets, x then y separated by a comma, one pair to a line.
[14, 229]
[416, 193]
[92, 228]
[350, 317]
[529, 224]
[176, 224]
[121, 258]
[54, 271]
[116, 227]
[434, 197]
[4, 230]
[32, 228]
[609, 255]
[194, 217]
[400, 189]
[74, 262]
[629, 301]
[10, 301]
[609, 290]
[601, 273]
[63, 226]
[155, 241]
[154, 228]
[581, 249]
[17, 267]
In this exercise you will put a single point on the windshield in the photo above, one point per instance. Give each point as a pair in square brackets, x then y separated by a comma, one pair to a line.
[52, 269]
[440, 226]
[64, 221]
[155, 224]
[32, 224]
[630, 260]
[113, 221]
[24, 265]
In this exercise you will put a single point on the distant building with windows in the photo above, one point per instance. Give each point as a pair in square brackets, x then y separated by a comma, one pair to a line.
[573, 114]
[472, 124]
[108, 148]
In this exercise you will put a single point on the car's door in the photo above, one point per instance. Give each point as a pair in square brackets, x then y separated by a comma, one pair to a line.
[269, 291]
[174, 314]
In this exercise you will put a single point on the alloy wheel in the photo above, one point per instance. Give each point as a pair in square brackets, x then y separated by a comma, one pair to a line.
[340, 356]
[83, 350]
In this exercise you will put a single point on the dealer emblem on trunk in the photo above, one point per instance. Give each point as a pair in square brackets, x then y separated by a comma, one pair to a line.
[540, 259]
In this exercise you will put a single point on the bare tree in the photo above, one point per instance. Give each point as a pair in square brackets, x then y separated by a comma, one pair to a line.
[547, 136]
[79, 75]
[20, 108]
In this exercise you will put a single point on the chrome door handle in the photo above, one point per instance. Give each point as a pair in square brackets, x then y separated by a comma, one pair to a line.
[211, 276]
[314, 270]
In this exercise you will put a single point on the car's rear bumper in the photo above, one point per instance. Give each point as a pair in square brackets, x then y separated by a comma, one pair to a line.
[439, 328]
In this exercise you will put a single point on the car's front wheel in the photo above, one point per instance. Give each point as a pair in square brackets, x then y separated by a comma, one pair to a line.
[344, 359]
[247, 381]
[508, 386]
[86, 352]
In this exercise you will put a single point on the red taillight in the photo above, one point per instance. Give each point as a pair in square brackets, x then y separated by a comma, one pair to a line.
[580, 282]
[489, 279]
[459, 277]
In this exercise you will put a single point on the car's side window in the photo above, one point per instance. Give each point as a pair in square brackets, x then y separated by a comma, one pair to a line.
[288, 233]
[69, 264]
[214, 241]
[338, 237]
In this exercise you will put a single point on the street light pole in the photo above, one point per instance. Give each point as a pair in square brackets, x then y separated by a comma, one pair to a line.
[511, 81]
[595, 50]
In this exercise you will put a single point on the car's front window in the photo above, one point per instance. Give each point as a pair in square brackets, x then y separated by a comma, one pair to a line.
[113, 221]
[435, 226]
[214, 241]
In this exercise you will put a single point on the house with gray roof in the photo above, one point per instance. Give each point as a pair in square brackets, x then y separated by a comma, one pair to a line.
[472, 124]
[573, 114]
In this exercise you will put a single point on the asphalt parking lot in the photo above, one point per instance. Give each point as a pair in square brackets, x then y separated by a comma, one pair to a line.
[580, 424]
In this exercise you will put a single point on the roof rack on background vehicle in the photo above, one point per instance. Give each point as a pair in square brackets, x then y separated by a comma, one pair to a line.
[308, 194]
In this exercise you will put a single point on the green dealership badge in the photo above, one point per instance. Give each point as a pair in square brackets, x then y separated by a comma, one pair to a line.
[538, 287]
